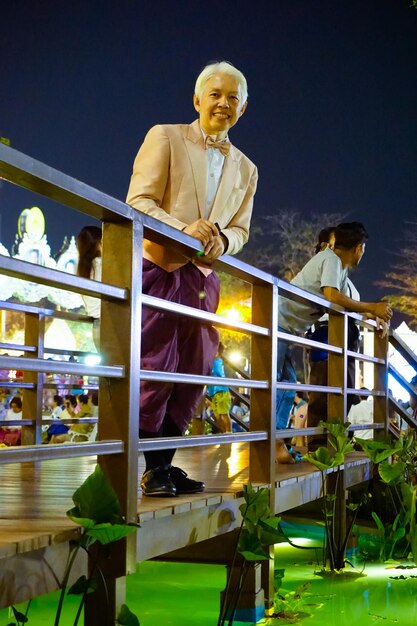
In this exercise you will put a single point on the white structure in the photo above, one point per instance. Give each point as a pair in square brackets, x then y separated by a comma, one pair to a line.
[33, 247]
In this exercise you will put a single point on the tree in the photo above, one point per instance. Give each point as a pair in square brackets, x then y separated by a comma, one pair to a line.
[285, 240]
[403, 276]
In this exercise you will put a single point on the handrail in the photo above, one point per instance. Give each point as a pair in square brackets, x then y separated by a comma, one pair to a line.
[15, 347]
[403, 413]
[120, 324]
[22, 170]
[403, 382]
[23, 454]
[55, 278]
[193, 379]
[60, 367]
[400, 345]
[162, 443]
[219, 320]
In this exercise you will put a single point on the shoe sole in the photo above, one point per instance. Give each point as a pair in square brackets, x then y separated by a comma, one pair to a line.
[160, 494]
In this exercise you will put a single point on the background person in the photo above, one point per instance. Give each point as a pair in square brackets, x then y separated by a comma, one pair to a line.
[89, 245]
[57, 406]
[298, 416]
[192, 178]
[219, 395]
[57, 412]
[325, 274]
[362, 413]
[10, 435]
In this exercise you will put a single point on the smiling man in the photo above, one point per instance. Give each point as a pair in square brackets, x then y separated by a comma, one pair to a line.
[192, 178]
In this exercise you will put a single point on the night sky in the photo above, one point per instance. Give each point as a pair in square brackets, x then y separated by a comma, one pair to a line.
[331, 121]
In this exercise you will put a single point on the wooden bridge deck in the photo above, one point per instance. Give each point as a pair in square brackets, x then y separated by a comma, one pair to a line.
[34, 529]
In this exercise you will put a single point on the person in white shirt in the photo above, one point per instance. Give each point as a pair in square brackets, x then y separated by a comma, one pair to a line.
[15, 411]
[362, 413]
[10, 435]
[57, 407]
[324, 275]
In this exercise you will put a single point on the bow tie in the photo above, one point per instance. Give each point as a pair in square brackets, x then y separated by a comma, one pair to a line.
[223, 146]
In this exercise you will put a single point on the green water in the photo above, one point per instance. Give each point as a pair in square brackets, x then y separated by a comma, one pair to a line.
[172, 594]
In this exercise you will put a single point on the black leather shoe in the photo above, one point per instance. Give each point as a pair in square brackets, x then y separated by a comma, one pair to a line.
[157, 482]
[182, 483]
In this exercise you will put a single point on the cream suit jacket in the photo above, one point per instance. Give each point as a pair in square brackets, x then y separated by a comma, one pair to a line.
[169, 183]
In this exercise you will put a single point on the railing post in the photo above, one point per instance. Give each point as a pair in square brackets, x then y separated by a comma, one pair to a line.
[381, 384]
[338, 364]
[33, 398]
[337, 406]
[120, 332]
[263, 403]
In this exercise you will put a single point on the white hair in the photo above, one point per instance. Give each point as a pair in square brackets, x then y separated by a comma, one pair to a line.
[221, 67]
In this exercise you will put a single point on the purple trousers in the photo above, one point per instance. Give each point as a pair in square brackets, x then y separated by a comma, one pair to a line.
[174, 343]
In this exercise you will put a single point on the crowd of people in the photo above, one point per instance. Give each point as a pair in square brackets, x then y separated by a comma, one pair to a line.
[74, 406]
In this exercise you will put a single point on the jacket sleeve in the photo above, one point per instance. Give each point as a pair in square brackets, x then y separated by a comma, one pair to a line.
[150, 177]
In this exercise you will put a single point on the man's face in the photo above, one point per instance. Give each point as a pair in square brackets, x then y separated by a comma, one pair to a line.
[220, 105]
[358, 254]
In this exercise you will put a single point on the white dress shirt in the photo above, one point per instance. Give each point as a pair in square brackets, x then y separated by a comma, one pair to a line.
[215, 162]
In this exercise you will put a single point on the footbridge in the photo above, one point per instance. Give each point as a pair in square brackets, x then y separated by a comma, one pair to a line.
[38, 480]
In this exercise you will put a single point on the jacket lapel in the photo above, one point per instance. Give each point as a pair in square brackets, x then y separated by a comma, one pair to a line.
[195, 146]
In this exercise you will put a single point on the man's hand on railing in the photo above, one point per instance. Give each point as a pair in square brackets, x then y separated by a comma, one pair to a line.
[381, 310]
[382, 326]
[213, 251]
[203, 230]
[210, 236]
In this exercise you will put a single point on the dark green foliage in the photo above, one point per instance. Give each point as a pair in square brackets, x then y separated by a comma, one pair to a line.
[390, 534]
[96, 501]
[258, 530]
[325, 459]
[379, 451]
[292, 606]
[400, 477]
[126, 617]
[97, 511]
[21, 618]
[82, 585]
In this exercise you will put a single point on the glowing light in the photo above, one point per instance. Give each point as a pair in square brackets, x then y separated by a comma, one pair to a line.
[235, 357]
[299, 541]
[92, 359]
[233, 314]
